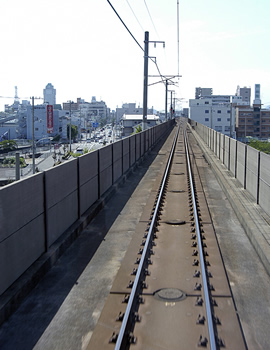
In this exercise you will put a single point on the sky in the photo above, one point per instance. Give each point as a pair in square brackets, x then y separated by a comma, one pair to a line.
[83, 49]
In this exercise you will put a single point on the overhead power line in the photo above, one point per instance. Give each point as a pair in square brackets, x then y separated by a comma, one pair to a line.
[135, 16]
[125, 25]
[150, 17]
[134, 37]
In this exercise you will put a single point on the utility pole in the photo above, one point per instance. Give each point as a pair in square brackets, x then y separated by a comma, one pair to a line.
[33, 136]
[145, 80]
[171, 105]
[70, 126]
[166, 101]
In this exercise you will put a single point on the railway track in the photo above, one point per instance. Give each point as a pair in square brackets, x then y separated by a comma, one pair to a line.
[171, 291]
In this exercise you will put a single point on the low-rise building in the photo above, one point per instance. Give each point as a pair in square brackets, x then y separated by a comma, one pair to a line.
[131, 121]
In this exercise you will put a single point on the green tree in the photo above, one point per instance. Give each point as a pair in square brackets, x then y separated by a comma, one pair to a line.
[8, 145]
[138, 129]
[262, 146]
[74, 131]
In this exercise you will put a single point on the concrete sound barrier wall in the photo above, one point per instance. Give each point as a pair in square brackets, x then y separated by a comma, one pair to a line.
[35, 212]
[61, 193]
[22, 230]
[88, 180]
[233, 149]
[241, 164]
[264, 183]
[252, 171]
[248, 165]
[227, 152]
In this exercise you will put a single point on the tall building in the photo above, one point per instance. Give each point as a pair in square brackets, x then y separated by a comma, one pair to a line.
[211, 112]
[245, 93]
[203, 92]
[257, 99]
[49, 94]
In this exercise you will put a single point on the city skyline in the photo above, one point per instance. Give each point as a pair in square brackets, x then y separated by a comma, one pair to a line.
[84, 50]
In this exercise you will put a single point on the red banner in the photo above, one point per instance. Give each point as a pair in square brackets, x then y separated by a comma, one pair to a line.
[49, 119]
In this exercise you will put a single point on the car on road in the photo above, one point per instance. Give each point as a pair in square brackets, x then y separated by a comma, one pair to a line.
[88, 140]
[79, 150]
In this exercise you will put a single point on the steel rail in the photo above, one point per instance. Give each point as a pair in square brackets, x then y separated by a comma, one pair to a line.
[131, 301]
[203, 268]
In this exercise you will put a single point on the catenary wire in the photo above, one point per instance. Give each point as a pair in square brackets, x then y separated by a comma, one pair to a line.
[151, 17]
[134, 38]
[135, 15]
[125, 25]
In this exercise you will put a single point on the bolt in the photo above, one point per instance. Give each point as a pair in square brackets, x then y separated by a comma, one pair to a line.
[199, 301]
[197, 273]
[125, 300]
[195, 252]
[130, 284]
[120, 316]
[131, 338]
[113, 338]
[202, 341]
[221, 343]
[217, 320]
[141, 299]
[147, 272]
[134, 271]
[200, 320]
[137, 318]
[137, 261]
[198, 286]
[195, 262]
[144, 285]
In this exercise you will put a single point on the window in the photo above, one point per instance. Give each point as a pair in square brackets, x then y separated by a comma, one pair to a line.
[206, 102]
[228, 111]
[227, 128]
[206, 111]
[219, 119]
[228, 119]
[219, 111]
[206, 119]
[218, 128]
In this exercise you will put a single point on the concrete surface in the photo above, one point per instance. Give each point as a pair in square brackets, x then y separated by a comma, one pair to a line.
[63, 309]
[249, 281]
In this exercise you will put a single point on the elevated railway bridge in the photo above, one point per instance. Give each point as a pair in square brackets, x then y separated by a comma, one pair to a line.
[159, 241]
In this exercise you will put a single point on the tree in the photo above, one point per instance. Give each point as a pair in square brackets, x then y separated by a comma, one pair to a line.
[138, 129]
[74, 131]
[8, 145]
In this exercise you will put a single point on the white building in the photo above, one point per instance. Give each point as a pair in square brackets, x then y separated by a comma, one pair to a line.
[130, 121]
[130, 108]
[215, 112]
[49, 94]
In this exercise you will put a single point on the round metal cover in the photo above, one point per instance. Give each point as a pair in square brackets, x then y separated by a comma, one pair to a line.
[175, 222]
[170, 294]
